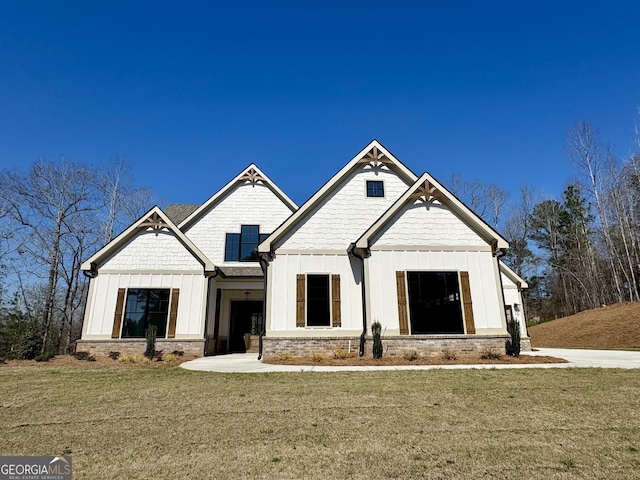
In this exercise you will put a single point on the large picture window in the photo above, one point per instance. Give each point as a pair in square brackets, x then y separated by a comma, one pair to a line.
[146, 307]
[434, 303]
[241, 247]
[318, 312]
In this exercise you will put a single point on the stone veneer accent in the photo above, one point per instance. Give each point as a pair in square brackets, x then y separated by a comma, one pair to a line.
[432, 345]
[138, 346]
[525, 344]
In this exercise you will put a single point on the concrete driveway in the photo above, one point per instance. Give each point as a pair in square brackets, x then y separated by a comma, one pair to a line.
[248, 362]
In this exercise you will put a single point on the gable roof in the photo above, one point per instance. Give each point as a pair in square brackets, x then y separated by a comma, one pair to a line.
[177, 212]
[427, 189]
[251, 174]
[154, 219]
[513, 276]
[374, 153]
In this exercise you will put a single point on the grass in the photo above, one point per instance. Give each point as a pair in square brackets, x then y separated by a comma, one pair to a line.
[140, 423]
[610, 327]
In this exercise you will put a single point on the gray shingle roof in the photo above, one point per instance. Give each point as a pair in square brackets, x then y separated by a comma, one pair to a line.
[240, 271]
[177, 212]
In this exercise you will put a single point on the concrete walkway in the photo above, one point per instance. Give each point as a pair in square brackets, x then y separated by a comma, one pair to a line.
[248, 362]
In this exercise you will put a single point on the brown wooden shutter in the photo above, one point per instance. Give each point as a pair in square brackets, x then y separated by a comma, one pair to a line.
[335, 300]
[466, 301]
[402, 304]
[173, 312]
[300, 303]
[117, 318]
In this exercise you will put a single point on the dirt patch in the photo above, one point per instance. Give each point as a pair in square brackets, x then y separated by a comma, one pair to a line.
[610, 327]
[394, 361]
[101, 361]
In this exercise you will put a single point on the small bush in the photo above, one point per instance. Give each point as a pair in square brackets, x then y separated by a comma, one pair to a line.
[82, 355]
[410, 356]
[91, 358]
[3, 360]
[31, 344]
[157, 355]
[490, 354]
[169, 357]
[448, 354]
[133, 359]
[42, 358]
[376, 331]
[283, 357]
[114, 355]
[151, 342]
[341, 353]
[177, 353]
[317, 357]
[512, 345]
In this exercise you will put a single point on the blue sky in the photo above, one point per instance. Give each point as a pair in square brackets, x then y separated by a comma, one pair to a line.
[192, 92]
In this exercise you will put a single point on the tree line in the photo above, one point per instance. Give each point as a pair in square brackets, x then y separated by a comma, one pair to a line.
[53, 216]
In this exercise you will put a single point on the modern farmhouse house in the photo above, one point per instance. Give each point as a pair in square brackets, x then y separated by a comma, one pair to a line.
[375, 243]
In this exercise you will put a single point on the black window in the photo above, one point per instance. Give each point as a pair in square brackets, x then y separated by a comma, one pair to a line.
[375, 188]
[240, 247]
[434, 303]
[145, 307]
[318, 314]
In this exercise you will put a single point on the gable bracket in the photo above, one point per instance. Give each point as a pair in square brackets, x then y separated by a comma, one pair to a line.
[427, 192]
[155, 222]
[252, 176]
[375, 158]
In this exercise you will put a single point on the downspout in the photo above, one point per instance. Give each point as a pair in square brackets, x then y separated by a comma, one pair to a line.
[499, 254]
[352, 251]
[264, 264]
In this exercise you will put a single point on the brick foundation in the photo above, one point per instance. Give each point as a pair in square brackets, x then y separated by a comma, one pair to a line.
[138, 346]
[525, 344]
[432, 345]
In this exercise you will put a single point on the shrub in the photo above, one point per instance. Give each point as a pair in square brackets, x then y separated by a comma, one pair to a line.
[151, 342]
[376, 331]
[489, 354]
[512, 345]
[169, 357]
[157, 355]
[42, 358]
[31, 344]
[91, 358]
[177, 353]
[114, 355]
[283, 357]
[82, 355]
[341, 353]
[317, 357]
[3, 360]
[133, 359]
[50, 355]
[411, 356]
[448, 354]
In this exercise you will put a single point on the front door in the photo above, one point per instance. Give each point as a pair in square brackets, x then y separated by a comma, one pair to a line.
[245, 321]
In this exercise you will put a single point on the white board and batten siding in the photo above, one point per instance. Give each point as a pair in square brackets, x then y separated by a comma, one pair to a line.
[346, 213]
[247, 204]
[282, 307]
[429, 237]
[149, 260]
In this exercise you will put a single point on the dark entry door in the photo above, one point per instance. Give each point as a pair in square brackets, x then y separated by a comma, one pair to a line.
[246, 317]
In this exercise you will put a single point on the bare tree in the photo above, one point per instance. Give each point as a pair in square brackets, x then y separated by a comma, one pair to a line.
[45, 202]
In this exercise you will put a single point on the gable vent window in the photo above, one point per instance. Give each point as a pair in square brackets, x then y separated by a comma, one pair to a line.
[375, 188]
[241, 247]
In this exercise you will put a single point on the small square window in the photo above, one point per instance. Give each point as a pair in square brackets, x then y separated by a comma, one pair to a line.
[375, 188]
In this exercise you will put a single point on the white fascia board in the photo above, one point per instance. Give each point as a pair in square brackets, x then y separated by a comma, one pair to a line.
[220, 194]
[405, 173]
[459, 208]
[513, 276]
[120, 240]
